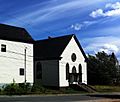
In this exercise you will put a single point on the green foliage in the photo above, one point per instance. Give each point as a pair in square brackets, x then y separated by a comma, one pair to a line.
[22, 89]
[11, 89]
[102, 69]
[17, 89]
[38, 88]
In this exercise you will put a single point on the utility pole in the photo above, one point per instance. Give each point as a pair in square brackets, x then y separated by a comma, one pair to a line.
[25, 65]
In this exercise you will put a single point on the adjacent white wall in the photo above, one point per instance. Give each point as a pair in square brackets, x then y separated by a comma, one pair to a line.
[14, 59]
[72, 47]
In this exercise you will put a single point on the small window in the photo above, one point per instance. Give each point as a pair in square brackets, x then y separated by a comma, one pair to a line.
[73, 57]
[3, 48]
[21, 71]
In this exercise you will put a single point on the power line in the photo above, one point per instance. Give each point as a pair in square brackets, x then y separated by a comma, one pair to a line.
[18, 53]
[13, 58]
[62, 62]
[14, 52]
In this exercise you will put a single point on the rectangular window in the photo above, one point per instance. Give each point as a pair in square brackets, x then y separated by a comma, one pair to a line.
[3, 48]
[21, 71]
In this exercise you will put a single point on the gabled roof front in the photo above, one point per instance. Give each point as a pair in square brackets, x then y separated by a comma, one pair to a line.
[13, 33]
[52, 48]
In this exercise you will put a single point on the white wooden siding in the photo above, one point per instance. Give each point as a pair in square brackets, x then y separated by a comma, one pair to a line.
[14, 59]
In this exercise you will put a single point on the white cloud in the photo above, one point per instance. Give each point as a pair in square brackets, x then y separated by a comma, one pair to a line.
[101, 13]
[108, 44]
[79, 26]
[97, 13]
[115, 12]
[108, 48]
[50, 10]
[88, 23]
[113, 6]
[76, 26]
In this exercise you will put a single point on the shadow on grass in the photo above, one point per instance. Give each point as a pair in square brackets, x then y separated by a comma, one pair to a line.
[113, 96]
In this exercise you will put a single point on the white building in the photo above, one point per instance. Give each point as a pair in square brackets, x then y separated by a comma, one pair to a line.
[16, 55]
[60, 61]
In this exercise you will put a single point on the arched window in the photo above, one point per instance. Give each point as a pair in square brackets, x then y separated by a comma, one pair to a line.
[80, 69]
[39, 71]
[80, 73]
[67, 71]
[74, 69]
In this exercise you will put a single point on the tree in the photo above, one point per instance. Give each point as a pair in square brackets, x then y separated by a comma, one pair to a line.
[102, 68]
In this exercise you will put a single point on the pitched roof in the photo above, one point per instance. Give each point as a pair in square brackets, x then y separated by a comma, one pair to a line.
[52, 48]
[13, 33]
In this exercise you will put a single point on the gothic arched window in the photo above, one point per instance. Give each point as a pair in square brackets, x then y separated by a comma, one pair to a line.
[67, 71]
[39, 71]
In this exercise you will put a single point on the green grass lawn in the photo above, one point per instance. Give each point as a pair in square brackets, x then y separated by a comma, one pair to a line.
[14, 89]
[105, 88]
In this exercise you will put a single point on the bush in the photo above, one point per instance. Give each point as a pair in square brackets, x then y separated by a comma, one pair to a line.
[17, 89]
[37, 88]
[11, 89]
[26, 88]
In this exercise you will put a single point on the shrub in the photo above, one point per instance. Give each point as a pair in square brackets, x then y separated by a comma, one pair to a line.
[37, 88]
[26, 88]
[11, 89]
[17, 89]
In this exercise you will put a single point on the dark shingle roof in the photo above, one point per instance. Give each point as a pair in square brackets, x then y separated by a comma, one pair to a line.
[12, 33]
[52, 48]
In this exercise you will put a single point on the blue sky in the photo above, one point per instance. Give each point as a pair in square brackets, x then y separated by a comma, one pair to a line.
[96, 23]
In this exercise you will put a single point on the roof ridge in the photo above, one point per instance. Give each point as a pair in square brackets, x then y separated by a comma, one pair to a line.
[11, 26]
[13, 33]
[52, 48]
[49, 37]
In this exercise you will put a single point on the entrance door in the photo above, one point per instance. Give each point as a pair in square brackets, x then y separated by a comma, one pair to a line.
[73, 76]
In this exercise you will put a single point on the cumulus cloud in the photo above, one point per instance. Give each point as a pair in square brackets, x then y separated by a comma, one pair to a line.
[114, 11]
[113, 6]
[97, 13]
[108, 48]
[98, 44]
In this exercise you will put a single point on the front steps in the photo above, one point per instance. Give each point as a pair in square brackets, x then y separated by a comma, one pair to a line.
[83, 87]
